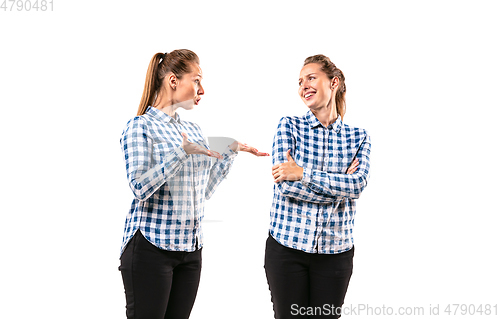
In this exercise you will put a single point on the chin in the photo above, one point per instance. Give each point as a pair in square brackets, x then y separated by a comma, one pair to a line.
[310, 105]
[187, 105]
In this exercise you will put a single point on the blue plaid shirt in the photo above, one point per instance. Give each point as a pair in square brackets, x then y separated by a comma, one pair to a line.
[316, 214]
[169, 186]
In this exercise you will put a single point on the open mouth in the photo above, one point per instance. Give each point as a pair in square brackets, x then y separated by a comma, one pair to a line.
[196, 101]
[308, 95]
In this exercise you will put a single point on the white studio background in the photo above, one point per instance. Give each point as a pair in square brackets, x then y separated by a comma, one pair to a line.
[422, 78]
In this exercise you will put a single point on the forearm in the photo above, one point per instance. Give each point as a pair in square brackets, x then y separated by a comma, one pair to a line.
[144, 181]
[219, 171]
[341, 185]
[335, 185]
[299, 191]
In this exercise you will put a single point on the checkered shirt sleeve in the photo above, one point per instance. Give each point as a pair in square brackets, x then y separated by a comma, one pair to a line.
[145, 177]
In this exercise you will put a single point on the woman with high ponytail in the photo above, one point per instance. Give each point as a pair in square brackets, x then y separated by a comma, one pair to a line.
[321, 166]
[170, 173]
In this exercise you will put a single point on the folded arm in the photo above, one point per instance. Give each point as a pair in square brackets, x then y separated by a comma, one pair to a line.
[341, 185]
[315, 185]
[284, 141]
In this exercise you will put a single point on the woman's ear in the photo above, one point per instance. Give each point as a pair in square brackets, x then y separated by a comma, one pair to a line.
[335, 83]
[172, 81]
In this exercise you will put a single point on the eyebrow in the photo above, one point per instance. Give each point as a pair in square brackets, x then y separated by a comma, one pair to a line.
[307, 75]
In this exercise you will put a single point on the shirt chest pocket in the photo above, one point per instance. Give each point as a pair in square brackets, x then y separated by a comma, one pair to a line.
[303, 156]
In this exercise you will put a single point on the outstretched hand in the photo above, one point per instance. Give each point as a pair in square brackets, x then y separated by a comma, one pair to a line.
[193, 148]
[237, 146]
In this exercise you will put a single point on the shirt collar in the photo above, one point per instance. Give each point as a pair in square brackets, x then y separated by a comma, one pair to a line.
[162, 116]
[314, 122]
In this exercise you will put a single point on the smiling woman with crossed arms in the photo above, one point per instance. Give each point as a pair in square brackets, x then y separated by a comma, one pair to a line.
[321, 166]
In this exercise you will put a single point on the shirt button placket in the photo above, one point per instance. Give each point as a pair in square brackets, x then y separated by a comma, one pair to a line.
[319, 226]
[324, 166]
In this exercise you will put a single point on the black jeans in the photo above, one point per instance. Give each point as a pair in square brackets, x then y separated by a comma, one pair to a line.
[159, 284]
[305, 285]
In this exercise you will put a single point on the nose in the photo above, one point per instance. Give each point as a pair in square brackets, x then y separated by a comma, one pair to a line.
[200, 90]
[304, 86]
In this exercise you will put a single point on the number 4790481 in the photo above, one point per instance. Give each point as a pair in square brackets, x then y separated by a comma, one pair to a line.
[27, 5]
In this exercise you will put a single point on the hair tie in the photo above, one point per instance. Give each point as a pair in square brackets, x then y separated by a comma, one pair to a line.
[162, 57]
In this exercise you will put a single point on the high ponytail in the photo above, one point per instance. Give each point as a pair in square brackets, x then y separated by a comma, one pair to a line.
[149, 93]
[178, 62]
[332, 71]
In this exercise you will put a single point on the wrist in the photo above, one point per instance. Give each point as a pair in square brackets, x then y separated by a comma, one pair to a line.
[306, 176]
[234, 146]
